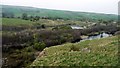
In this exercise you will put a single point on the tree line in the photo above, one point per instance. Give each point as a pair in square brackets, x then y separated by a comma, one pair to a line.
[25, 16]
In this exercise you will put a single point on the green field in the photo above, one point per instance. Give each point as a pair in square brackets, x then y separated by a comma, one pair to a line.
[98, 52]
[19, 22]
[15, 22]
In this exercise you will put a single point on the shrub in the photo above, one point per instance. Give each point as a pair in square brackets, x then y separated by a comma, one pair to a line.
[65, 27]
[39, 46]
[43, 26]
[33, 37]
[29, 49]
[74, 48]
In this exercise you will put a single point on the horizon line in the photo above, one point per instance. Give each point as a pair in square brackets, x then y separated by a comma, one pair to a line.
[61, 9]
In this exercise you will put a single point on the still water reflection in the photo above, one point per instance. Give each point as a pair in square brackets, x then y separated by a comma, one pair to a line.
[102, 35]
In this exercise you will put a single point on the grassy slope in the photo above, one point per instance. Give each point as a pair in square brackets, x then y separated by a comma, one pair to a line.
[15, 22]
[20, 22]
[103, 52]
[19, 10]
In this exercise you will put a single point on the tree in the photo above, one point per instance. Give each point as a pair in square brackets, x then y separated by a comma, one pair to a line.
[105, 22]
[31, 18]
[24, 16]
[37, 18]
[37, 44]
[8, 15]
[4, 15]
[43, 26]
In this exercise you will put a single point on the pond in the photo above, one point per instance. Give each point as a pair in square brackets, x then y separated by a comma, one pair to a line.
[102, 35]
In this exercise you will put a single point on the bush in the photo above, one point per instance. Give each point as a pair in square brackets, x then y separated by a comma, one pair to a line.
[39, 46]
[29, 49]
[33, 37]
[65, 27]
[74, 48]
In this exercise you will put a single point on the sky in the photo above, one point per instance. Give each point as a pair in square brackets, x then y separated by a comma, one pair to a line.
[97, 6]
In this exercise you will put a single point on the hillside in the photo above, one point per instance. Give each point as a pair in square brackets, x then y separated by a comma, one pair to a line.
[19, 10]
[45, 37]
[98, 52]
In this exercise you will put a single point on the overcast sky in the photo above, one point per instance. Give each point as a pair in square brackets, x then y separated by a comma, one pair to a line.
[98, 6]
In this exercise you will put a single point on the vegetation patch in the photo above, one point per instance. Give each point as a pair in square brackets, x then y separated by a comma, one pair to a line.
[106, 55]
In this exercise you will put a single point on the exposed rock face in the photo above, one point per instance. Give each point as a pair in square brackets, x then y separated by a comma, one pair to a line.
[117, 33]
[41, 53]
